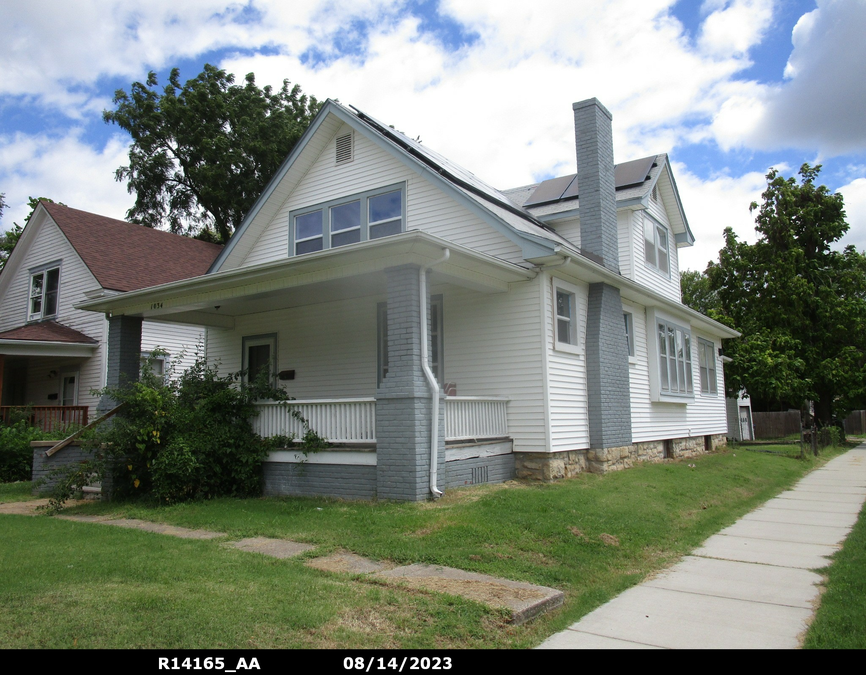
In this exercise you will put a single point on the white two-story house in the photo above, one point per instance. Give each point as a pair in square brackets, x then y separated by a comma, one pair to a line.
[440, 332]
[54, 357]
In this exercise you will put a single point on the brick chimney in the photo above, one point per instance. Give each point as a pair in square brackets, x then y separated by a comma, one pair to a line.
[595, 181]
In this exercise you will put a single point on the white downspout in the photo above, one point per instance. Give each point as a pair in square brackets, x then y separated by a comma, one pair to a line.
[431, 379]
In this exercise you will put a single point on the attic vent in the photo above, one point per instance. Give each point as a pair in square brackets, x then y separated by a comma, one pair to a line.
[344, 148]
[655, 193]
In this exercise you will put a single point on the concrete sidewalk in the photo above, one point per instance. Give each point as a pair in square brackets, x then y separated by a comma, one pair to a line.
[750, 586]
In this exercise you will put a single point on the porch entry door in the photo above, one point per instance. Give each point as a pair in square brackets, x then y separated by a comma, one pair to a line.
[69, 389]
[260, 355]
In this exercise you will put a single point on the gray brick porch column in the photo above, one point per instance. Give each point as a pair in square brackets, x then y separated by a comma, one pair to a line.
[607, 377]
[403, 404]
[124, 355]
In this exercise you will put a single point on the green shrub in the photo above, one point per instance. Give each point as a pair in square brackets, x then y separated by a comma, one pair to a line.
[189, 438]
[16, 455]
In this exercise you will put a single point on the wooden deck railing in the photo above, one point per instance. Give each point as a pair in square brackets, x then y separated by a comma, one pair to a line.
[49, 418]
[353, 420]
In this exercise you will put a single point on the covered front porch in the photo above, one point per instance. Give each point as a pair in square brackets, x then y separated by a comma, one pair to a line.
[41, 368]
[378, 343]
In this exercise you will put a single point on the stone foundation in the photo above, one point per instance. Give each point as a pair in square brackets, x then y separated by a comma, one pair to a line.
[555, 465]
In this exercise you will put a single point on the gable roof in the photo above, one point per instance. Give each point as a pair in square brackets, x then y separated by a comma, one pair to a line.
[47, 331]
[485, 201]
[126, 257]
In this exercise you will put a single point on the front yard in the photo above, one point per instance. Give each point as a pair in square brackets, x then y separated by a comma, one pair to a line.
[71, 584]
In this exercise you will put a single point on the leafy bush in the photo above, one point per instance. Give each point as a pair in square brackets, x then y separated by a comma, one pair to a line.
[188, 438]
[16, 455]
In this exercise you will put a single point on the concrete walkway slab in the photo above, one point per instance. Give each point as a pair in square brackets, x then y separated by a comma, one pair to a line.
[676, 620]
[275, 548]
[821, 518]
[804, 534]
[810, 507]
[523, 600]
[574, 639]
[778, 553]
[741, 581]
[830, 497]
[348, 563]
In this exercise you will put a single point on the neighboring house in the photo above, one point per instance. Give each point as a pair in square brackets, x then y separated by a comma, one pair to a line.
[541, 327]
[52, 356]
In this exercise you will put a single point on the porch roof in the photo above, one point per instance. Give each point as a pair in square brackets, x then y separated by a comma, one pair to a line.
[350, 271]
[46, 338]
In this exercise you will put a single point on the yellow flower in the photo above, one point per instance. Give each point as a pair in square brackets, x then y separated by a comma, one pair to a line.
[136, 482]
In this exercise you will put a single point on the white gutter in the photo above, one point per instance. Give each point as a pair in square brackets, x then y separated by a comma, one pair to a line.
[431, 380]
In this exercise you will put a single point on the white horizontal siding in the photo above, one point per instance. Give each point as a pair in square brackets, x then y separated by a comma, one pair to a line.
[652, 420]
[624, 220]
[180, 341]
[428, 208]
[569, 420]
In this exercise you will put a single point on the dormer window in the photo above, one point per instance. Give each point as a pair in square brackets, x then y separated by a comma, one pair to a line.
[44, 287]
[656, 246]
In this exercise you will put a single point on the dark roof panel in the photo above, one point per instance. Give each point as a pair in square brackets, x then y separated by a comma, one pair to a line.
[551, 190]
[627, 174]
[632, 173]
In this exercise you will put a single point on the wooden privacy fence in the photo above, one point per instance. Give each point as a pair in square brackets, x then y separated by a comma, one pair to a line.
[776, 424]
[855, 423]
[49, 418]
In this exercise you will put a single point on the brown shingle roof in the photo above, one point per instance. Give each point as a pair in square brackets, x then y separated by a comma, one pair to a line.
[125, 257]
[47, 331]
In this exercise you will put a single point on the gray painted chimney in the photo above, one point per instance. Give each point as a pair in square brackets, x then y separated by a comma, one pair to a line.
[595, 180]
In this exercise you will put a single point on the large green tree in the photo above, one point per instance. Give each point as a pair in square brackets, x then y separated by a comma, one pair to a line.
[203, 152]
[799, 302]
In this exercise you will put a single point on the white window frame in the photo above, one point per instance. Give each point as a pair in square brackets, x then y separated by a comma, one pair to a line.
[64, 375]
[570, 292]
[663, 385]
[628, 318]
[161, 358]
[707, 367]
[43, 271]
[365, 226]
[257, 341]
[660, 243]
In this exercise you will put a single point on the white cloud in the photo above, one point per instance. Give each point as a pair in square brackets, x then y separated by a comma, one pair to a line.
[65, 170]
[711, 206]
[855, 209]
[820, 105]
[732, 28]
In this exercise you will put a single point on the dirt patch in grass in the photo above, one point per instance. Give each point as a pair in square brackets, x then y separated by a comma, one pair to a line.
[609, 539]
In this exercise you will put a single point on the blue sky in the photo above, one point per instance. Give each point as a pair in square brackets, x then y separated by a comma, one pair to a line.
[729, 88]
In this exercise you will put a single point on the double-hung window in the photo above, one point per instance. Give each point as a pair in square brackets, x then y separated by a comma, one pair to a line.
[656, 245]
[675, 358]
[44, 289]
[565, 316]
[260, 357]
[361, 217]
[707, 360]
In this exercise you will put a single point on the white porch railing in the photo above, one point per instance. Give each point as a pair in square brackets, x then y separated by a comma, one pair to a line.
[468, 417]
[341, 420]
[353, 420]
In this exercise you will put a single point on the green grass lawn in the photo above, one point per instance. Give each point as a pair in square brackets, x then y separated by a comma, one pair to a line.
[69, 584]
[16, 492]
[841, 619]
